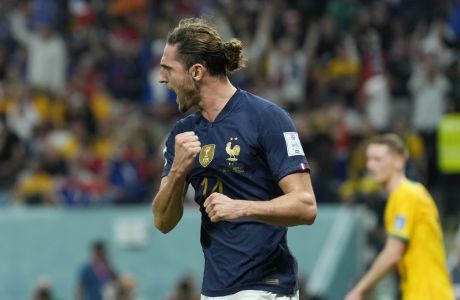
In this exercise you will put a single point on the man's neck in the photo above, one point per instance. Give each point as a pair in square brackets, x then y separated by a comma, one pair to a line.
[394, 182]
[214, 96]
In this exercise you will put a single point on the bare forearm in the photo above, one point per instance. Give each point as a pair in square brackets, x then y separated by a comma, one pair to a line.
[297, 206]
[292, 209]
[381, 267]
[167, 206]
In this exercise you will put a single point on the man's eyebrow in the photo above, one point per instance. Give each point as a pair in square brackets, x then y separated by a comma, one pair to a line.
[165, 66]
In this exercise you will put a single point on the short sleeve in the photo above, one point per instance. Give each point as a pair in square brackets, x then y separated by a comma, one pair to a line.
[401, 222]
[281, 144]
[168, 152]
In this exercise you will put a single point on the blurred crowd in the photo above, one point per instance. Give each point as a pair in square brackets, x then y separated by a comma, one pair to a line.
[83, 117]
[99, 279]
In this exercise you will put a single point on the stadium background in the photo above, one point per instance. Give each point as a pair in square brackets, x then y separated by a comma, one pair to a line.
[83, 119]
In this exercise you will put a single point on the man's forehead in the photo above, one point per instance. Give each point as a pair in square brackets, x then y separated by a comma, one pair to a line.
[170, 54]
[378, 148]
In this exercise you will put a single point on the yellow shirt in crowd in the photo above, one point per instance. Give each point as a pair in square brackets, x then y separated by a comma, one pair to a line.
[411, 215]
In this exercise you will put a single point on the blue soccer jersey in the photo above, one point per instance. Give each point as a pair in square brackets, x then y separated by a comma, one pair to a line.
[245, 152]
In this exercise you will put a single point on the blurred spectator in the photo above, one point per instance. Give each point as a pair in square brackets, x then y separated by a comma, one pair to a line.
[96, 275]
[53, 163]
[125, 289]
[47, 56]
[398, 62]
[125, 74]
[44, 290]
[287, 62]
[344, 12]
[339, 130]
[185, 289]
[128, 173]
[343, 69]
[35, 186]
[83, 186]
[375, 93]
[429, 88]
[381, 23]
[129, 169]
[22, 115]
[323, 38]
[12, 155]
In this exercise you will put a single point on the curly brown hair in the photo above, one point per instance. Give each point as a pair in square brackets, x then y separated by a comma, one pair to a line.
[199, 42]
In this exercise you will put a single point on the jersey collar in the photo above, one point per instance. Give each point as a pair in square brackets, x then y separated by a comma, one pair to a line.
[228, 108]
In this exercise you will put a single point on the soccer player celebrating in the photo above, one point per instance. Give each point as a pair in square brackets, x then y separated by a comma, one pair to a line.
[414, 237]
[243, 157]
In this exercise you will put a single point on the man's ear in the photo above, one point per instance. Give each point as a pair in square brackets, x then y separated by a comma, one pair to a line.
[197, 71]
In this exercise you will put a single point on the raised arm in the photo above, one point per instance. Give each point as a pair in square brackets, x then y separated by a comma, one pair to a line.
[167, 206]
[19, 28]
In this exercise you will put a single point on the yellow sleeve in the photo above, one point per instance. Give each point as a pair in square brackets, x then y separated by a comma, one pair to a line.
[402, 219]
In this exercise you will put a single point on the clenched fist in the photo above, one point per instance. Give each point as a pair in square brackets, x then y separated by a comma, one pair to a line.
[221, 208]
[187, 147]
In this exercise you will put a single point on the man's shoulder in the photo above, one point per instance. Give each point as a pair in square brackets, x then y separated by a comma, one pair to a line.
[261, 108]
[413, 187]
[250, 100]
[410, 192]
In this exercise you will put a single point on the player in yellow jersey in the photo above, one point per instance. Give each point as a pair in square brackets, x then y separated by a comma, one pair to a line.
[414, 237]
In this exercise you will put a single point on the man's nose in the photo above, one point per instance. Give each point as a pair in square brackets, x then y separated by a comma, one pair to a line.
[162, 78]
[369, 166]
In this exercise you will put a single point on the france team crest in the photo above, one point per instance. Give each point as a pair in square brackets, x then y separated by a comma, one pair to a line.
[207, 154]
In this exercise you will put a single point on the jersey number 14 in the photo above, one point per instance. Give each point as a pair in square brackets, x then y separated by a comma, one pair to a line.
[217, 187]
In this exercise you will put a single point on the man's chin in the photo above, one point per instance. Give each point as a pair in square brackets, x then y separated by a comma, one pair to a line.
[184, 107]
[374, 178]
